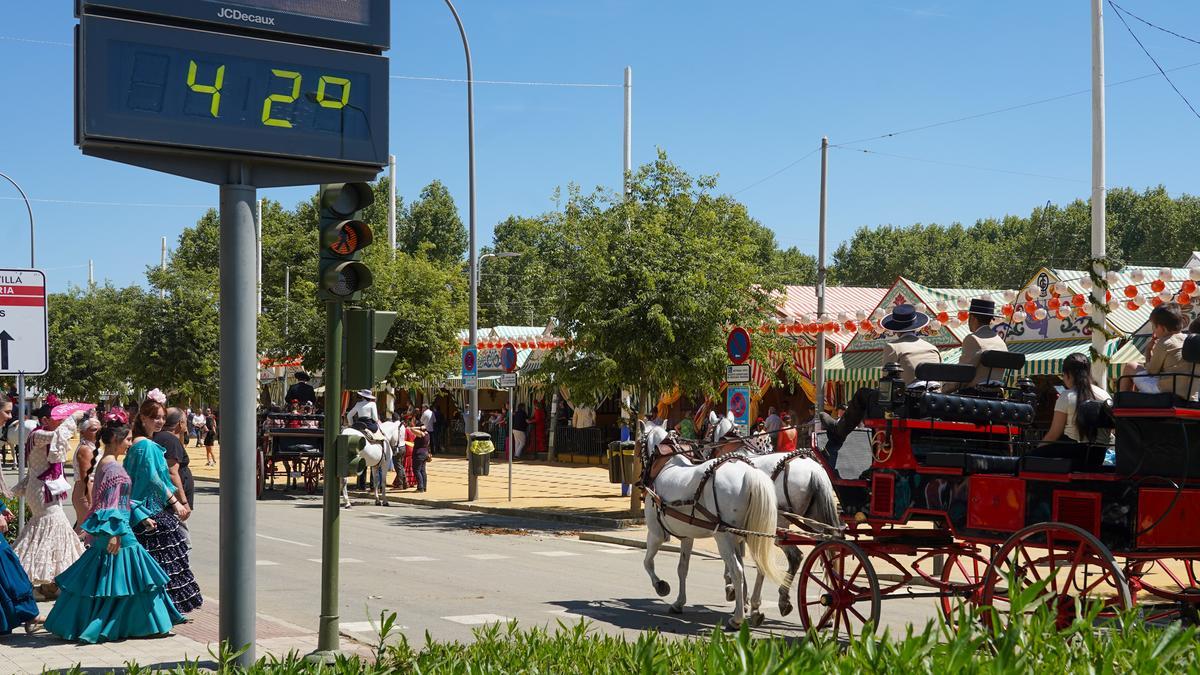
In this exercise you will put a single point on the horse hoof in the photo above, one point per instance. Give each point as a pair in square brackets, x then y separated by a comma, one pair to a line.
[731, 625]
[675, 609]
[730, 593]
[662, 588]
[756, 619]
[785, 608]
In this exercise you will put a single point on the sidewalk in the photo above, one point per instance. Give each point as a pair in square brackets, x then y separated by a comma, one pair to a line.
[42, 652]
[561, 492]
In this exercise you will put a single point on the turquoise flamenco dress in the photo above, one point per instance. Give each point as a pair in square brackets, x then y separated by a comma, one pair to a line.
[105, 597]
[17, 605]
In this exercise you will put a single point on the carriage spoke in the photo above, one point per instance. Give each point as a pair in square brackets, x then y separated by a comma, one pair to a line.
[859, 615]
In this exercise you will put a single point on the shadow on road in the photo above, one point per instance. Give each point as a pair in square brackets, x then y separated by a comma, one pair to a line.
[652, 614]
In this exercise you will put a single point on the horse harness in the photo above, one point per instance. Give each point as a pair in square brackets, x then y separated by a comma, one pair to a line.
[707, 519]
[782, 468]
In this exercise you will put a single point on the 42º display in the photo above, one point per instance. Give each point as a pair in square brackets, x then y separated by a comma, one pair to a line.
[190, 88]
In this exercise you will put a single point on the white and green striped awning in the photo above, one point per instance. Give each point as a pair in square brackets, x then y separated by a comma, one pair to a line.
[865, 368]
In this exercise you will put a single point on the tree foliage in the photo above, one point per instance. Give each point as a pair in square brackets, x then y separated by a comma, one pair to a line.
[430, 225]
[93, 332]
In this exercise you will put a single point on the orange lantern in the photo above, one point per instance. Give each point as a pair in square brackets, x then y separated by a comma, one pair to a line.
[962, 315]
[1155, 301]
[1078, 300]
[1053, 304]
[943, 317]
[1131, 291]
[1185, 298]
[1188, 287]
[1131, 305]
[1158, 285]
[1030, 307]
[1081, 312]
[865, 326]
[850, 326]
[1007, 310]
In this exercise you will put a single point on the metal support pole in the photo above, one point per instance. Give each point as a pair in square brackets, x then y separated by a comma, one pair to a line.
[392, 205]
[1099, 305]
[553, 421]
[91, 272]
[287, 299]
[21, 446]
[473, 253]
[512, 437]
[821, 271]
[258, 230]
[327, 631]
[162, 265]
[628, 128]
[239, 328]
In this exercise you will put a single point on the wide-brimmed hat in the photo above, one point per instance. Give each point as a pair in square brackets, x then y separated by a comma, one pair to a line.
[302, 376]
[903, 319]
[365, 393]
[982, 307]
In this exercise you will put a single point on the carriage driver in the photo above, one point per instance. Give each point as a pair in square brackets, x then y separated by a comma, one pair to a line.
[982, 338]
[907, 349]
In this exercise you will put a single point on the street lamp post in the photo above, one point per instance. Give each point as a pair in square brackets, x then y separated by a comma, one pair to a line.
[473, 423]
[473, 260]
[21, 376]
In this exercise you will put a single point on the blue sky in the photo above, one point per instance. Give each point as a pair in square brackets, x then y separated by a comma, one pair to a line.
[736, 89]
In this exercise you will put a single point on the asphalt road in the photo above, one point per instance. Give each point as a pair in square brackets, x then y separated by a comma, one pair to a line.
[446, 572]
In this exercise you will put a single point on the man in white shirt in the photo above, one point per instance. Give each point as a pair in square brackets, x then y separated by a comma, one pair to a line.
[426, 417]
[772, 425]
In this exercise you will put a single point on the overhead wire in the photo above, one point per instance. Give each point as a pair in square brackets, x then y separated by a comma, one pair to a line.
[956, 164]
[1120, 15]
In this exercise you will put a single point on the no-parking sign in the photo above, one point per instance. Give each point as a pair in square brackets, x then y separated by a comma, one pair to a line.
[470, 367]
[737, 401]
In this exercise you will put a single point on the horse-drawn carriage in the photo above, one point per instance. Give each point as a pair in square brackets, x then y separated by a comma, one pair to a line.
[292, 446]
[955, 498]
[962, 503]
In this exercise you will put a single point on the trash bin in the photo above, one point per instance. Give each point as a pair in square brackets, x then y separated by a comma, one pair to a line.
[479, 453]
[621, 462]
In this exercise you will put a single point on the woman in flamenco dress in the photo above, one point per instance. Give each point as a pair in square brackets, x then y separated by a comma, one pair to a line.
[115, 590]
[17, 606]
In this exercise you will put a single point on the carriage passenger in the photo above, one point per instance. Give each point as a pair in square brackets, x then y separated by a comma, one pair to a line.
[1164, 357]
[1067, 422]
[981, 338]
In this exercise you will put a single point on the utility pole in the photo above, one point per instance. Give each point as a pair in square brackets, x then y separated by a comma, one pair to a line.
[392, 205]
[287, 299]
[1099, 304]
[91, 272]
[819, 381]
[258, 253]
[162, 265]
[628, 129]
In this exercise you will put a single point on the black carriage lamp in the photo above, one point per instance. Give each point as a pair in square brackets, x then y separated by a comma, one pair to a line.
[891, 387]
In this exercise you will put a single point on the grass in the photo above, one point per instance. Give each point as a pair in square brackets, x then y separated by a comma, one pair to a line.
[1030, 645]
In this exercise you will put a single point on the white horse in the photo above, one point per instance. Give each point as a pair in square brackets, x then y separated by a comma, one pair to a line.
[377, 457]
[8, 435]
[395, 450]
[735, 493]
[802, 487]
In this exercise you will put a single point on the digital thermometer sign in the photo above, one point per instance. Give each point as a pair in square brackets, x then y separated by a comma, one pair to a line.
[364, 22]
[178, 87]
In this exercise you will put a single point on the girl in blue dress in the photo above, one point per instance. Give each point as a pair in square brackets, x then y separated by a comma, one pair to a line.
[17, 606]
[115, 590]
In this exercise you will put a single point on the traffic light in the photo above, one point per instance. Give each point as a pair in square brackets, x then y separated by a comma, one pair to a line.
[366, 365]
[346, 450]
[342, 275]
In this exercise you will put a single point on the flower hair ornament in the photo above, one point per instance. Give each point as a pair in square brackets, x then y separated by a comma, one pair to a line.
[157, 396]
[116, 416]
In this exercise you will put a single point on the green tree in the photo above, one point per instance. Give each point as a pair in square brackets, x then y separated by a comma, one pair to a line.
[93, 332]
[653, 285]
[177, 348]
[521, 291]
[431, 226]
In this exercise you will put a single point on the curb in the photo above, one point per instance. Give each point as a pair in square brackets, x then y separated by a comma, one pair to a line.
[363, 498]
[633, 542]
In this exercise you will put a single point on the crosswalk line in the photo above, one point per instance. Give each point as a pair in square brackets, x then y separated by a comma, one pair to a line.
[477, 619]
[265, 563]
[554, 554]
[414, 558]
[488, 556]
[623, 549]
[365, 627]
[341, 561]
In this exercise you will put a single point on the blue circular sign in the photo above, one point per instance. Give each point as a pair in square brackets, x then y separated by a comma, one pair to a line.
[508, 357]
[738, 345]
[469, 360]
[738, 404]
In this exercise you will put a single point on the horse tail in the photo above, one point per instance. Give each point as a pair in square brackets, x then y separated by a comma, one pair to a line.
[761, 516]
[824, 506]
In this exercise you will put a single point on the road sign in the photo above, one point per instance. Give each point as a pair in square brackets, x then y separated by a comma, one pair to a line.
[508, 380]
[24, 347]
[508, 357]
[737, 374]
[738, 403]
[737, 345]
[470, 367]
[362, 22]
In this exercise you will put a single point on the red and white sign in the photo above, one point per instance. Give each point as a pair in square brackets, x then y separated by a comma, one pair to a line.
[24, 345]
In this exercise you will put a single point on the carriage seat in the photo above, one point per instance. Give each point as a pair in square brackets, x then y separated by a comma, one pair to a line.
[956, 408]
[1166, 399]
[971, 462]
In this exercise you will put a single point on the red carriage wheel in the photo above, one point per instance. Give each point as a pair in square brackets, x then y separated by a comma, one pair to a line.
[962, 582]
[260, 469]
[1076, 570]
[839, 590]
[1175, 580]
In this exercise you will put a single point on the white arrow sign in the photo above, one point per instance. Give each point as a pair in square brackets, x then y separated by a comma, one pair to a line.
[24, 343]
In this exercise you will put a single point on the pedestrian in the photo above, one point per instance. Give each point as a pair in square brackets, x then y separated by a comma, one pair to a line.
[116, 590]
[401, 457]
[302, 391]
[178, 462]
[210, 437]
[155, 497]
[538, 428]
[198, 422]
[84, 463]
[48, 544]
[17, 606]
[772, 424]
[520, 426]
[421, 456]
[191, 427]
[788, 435]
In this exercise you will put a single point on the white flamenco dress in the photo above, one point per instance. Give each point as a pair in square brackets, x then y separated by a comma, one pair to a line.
[48, 544]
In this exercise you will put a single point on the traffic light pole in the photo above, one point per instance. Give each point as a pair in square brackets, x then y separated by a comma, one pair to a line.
[327, 635]
[238, 351]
